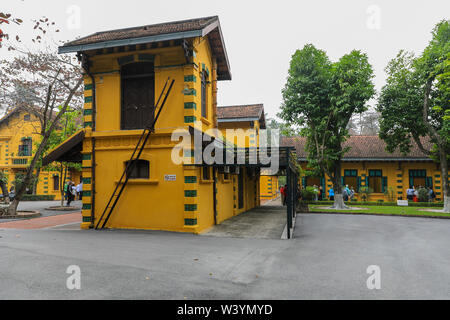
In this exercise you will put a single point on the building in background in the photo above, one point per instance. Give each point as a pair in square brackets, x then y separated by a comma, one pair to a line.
[19, 131]
[368, 164]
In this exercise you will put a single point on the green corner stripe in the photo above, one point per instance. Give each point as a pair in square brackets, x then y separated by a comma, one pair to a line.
[190, 119]
[88, 87]
[88, 124]
[87, 194]
[190, 179]
[190, 222]
[87, 157]
[87, 180]
[88, 99]
[190, 193]
[87, 206]
[191, 78]
[191, 92]
[88, 112]
[190, 105]
[190, 207]
[87, 219]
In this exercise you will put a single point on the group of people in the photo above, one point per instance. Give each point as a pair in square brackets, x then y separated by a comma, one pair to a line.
[412, 194]
[72, 192]
[347, 193]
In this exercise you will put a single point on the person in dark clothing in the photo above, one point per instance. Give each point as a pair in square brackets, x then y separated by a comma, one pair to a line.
[70, 193]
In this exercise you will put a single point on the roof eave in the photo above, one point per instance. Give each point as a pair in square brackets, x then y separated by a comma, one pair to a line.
[131, 41]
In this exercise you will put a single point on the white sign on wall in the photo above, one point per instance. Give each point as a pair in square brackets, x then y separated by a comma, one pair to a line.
[170, 177]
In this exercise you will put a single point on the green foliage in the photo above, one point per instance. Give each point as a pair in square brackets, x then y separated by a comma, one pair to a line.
[401, 102]
[309, 193]
[19, 179]
[390, 193]
[424, 195]
[365, 193]
[321, 97]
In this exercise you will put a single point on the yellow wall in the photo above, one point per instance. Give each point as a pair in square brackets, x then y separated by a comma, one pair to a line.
[12, 130]
[269, 187]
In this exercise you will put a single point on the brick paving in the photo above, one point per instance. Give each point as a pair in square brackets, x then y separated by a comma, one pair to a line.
[43, 223]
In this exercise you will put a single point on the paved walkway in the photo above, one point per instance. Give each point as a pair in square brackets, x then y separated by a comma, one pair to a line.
[44, 222]
[265, 222]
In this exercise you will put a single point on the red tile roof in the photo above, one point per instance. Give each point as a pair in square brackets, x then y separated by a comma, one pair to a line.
[241, 112]
[185, 29]
[362, 148]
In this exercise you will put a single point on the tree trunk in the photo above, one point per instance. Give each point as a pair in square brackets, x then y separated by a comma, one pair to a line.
[339, 203]
[5, 192]
[445, 185]
[38, 172]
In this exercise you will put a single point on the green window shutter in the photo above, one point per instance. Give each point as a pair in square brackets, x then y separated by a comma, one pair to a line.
[429, 183]
[359, 184]
[304, 182]
[384, 184]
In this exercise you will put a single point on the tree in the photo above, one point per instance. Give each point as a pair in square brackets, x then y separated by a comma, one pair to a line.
[285, 129]
[45, 84]
[415, 102]
[321, 97]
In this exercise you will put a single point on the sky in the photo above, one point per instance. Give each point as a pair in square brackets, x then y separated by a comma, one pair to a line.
[260, 36]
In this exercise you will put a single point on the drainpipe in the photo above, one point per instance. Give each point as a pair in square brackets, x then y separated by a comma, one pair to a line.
[94, 164]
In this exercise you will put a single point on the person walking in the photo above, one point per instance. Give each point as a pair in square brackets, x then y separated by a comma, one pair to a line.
[331, 194]
[71, 191]
[80, 191]
[352, 194]
[410, 193]
[320, 193]
[283, 195]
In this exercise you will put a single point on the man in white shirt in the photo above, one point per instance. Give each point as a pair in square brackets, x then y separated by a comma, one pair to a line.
[79, 190]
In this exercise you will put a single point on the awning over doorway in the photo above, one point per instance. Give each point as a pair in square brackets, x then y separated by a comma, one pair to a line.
[68, 151]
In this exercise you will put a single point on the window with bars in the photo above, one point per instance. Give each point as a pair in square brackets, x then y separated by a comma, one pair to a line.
[140, 169]
[26, 148]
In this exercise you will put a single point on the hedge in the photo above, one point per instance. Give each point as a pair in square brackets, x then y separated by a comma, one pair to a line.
[384, 204]
[34, 197]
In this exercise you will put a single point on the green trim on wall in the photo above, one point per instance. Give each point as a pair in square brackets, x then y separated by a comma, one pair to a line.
[190, 179]
[88, 86]
[87, 206]
[88, 124]
[87, 180]
[190, 222]
[191, 119]
[190, 105]
[88, 99]
[88, 112]
[87, 219]
[87, 157]
[190, 193]
[190, 207]
[191, 78]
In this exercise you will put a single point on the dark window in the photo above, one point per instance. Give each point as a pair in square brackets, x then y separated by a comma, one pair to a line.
[418, 178]
[204, 112]
[140, 170]
[376, 181]
[206, 175]
[55, 183]
[26, 148]
[351, 178]
[138, 95]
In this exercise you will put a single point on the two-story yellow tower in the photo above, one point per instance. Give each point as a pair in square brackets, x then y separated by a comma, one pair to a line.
[126, 74]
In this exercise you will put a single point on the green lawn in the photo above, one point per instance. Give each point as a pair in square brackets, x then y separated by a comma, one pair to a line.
[385, 210]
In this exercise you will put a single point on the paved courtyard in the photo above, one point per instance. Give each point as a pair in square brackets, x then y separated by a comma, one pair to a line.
[328, 259]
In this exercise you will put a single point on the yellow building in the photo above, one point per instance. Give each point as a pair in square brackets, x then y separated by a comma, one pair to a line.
[19, 130]
[126, 73]
[368, 163]
[269, 187]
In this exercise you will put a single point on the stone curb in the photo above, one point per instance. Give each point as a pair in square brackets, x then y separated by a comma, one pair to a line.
[32, 214]
[378, 214]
